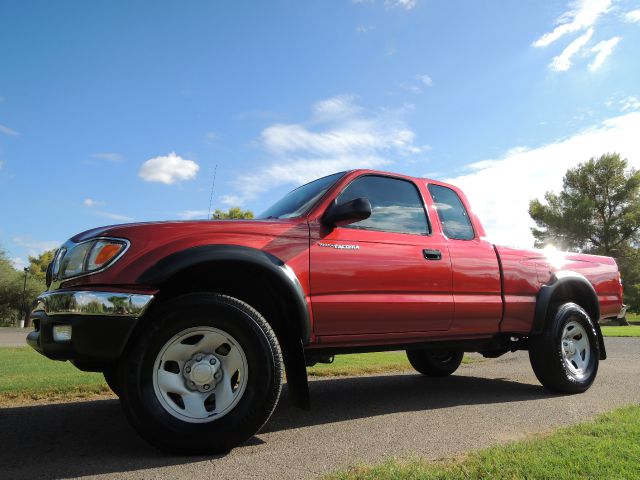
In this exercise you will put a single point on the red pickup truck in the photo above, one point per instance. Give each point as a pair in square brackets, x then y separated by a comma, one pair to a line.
[192, 322]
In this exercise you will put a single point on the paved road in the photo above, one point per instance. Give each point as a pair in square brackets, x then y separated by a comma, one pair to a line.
[13, 337]
[354, 419]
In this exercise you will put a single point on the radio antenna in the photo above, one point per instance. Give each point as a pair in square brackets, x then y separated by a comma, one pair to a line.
[213, 184]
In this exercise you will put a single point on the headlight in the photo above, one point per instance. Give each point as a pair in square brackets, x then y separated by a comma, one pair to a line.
[87, 257]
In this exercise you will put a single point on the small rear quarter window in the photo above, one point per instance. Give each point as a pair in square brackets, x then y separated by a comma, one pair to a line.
[454, 218]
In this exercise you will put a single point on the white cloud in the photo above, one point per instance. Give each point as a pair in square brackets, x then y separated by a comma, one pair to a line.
[603, 49]
[630, 103]
[339, 106]
[210, 137]
[232, 200]
[108, 156]
[500, 190]
[364, 28]
[340, 136]
[19, 263]
[425, 80]
[633, 16]
[90, 202]
[114, 216]
[35, 247]
[8, 131]
[582, 14]
[562, 62]
[168, 169]
[406, 4]
[191, 214]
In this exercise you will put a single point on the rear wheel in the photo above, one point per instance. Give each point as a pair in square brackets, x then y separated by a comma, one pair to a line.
[566, 356]
[435, 362]
[204, 377]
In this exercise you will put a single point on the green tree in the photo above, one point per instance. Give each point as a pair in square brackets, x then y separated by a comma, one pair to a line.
[12, 302]
[597, 211]
[38, 265]
[234, 213]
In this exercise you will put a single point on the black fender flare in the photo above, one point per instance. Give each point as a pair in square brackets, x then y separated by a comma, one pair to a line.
[190, 257]
[575, 280]
[295, 365]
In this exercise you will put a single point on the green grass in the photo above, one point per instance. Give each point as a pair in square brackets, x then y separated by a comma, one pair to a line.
[26, 375]
[608, 447]
[633, 318]
[625, 331]
[365, 364]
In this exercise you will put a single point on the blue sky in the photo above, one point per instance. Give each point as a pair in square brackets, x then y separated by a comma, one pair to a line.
[119, 111]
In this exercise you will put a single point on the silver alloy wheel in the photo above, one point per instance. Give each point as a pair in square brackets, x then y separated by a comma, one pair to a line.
[576, 349]
[200, 374]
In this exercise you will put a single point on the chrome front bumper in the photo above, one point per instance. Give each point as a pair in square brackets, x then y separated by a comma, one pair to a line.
[97, 324]
[93, 303]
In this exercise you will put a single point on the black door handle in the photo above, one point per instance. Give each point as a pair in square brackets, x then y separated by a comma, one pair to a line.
[432, 254]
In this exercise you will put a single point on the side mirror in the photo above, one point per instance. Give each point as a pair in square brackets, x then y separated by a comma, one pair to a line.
[339, 214]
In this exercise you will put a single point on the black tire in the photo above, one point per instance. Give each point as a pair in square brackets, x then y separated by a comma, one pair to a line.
[111, 377]
[264, 380]
[547, 357]
[435, 362]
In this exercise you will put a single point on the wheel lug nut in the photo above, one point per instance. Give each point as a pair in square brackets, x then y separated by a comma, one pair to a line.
[212, 361]
[199, 358]
[188, 369]
[206, 386]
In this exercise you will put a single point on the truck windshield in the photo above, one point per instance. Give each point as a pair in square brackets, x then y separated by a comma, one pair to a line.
[298, 201]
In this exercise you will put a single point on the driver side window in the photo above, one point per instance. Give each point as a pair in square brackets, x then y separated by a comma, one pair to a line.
[396, 205]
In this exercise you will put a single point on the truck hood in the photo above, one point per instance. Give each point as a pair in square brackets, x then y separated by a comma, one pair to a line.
[176, 228]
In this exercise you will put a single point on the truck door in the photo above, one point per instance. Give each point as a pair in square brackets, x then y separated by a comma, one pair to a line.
[476, 272]
[387, 274]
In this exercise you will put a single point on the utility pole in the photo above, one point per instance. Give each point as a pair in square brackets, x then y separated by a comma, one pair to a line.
[25, 313]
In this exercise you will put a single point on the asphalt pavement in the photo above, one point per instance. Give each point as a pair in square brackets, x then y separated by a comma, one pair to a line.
[13, 337]
[353, 419]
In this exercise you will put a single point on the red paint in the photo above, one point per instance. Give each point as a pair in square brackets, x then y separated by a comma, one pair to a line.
[384, 291]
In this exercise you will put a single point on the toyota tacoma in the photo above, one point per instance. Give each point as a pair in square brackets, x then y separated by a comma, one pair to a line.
[194, 323]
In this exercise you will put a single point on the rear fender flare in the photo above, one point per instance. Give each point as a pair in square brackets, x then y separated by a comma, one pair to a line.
[589, 298]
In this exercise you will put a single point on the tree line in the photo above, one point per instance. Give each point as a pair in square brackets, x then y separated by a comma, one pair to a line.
[16, 296]
[598, 212]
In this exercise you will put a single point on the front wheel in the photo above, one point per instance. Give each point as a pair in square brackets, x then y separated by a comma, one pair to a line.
[111, 377]
[204, 377]
[566, 356]
[435, 362]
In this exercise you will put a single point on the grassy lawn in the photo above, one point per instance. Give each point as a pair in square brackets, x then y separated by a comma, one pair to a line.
[608, 447]
[626, 331]
[26, 375]
[633, 318]
[365, 363]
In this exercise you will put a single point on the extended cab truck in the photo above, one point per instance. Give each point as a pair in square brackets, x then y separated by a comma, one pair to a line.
[193, 322]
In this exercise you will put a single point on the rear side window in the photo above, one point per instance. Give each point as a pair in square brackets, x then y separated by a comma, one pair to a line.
[396, 205]
[453, 216]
